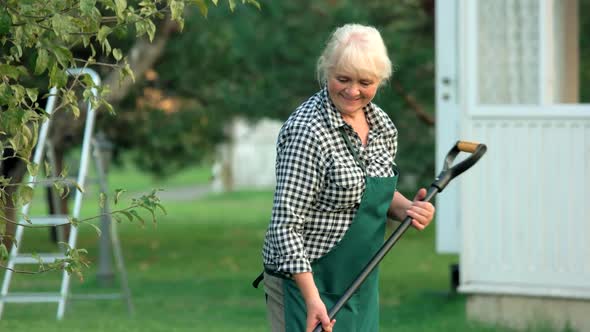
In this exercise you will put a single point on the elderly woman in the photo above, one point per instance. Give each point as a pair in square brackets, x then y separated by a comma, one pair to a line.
[336, 181]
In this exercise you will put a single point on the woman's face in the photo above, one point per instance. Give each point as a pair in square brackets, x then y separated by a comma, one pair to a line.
[351, 92]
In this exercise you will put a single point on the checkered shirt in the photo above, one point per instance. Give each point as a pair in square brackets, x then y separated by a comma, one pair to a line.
[319, 184]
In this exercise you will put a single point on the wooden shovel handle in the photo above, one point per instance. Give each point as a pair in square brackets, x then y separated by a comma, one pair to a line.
[465, 146]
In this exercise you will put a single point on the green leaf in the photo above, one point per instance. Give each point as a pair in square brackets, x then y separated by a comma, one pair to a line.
[117, 54]
[103, 33]
[126, 71]
[214, 2]
[232, 5]
[32, 93]
[150, 28]
[176, 7]
[10, 71]
[63, 55]
[3, 252]
[60, 25]
[57, 76]
[26, 194]
[137, 216]
[140, 28]
[202, 7]
[5, 94]
[33, 168]
[18, 90]
[254, 3]
[127, 214]
[102, 197]
[120, 6]
[60, 187]
[118, 193]
[74, 221]
[75, 109]
[98, 231]
[16, 50]
[87, 7]
[47, 167]
[109, 108]
[161, 207]
[64, 172]
[117, 218]
[92, 53]
[5, 21]
[80, 189]
[101, 36]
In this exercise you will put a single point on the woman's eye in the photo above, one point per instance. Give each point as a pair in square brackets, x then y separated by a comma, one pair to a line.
[342, 79]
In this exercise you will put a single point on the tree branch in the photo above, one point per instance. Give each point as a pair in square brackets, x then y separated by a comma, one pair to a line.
[29, 272]
[81, 221]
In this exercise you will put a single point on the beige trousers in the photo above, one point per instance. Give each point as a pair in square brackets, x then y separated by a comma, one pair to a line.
[275, 309]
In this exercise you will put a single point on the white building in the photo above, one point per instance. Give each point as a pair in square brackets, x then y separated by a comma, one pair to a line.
[507, 76]
[247, 159]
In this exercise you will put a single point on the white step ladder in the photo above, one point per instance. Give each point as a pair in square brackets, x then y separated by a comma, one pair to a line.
[16, 258]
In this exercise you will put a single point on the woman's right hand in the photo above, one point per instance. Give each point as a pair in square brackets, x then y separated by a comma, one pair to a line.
[317, 313]
[316, 309]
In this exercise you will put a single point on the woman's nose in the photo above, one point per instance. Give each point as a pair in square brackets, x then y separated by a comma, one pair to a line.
[352, 90]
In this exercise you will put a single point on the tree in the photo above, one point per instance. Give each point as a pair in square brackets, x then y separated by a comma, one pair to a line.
[39, 40]
[262, 65]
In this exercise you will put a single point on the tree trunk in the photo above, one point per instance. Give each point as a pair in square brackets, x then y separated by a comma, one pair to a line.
[14, 169]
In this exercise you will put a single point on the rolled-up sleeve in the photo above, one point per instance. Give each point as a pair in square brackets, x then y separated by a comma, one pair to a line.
[298, 172]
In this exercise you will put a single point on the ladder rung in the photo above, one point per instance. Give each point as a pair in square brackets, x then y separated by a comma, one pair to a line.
[47, 221]
[31, 297]
[29, 259]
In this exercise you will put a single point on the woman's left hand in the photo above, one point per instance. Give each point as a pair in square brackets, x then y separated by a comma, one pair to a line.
[420, 212]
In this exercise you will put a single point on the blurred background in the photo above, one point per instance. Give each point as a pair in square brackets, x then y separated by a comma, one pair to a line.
[200, 123]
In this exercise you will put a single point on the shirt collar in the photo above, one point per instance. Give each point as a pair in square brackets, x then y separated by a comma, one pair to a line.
[335, 120]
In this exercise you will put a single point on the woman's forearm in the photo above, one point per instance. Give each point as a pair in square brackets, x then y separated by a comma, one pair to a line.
[307, 286]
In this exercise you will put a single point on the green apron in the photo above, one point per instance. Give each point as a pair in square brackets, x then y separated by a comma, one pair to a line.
[335, 272]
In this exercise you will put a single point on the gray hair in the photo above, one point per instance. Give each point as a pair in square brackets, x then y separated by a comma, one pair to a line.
[355, 48]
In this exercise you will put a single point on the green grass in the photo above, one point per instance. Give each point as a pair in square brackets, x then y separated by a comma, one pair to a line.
[192, 272]
[128, 177]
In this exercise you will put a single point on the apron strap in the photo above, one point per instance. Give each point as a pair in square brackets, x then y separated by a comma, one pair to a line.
[352, 150]
[355, 154]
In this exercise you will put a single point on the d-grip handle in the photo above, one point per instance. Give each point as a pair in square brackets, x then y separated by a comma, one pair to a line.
[449, 172]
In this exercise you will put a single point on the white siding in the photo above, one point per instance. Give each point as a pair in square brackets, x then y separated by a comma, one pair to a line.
[525, 218]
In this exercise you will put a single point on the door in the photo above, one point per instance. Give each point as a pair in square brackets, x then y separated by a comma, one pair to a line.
[524, 213]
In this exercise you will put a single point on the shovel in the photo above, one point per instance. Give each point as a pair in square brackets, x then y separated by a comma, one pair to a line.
[448, 173]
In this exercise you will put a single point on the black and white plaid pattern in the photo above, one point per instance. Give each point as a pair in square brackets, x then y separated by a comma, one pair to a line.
[319, 184]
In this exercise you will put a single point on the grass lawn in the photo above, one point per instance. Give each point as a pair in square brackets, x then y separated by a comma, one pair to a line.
[192, 272]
